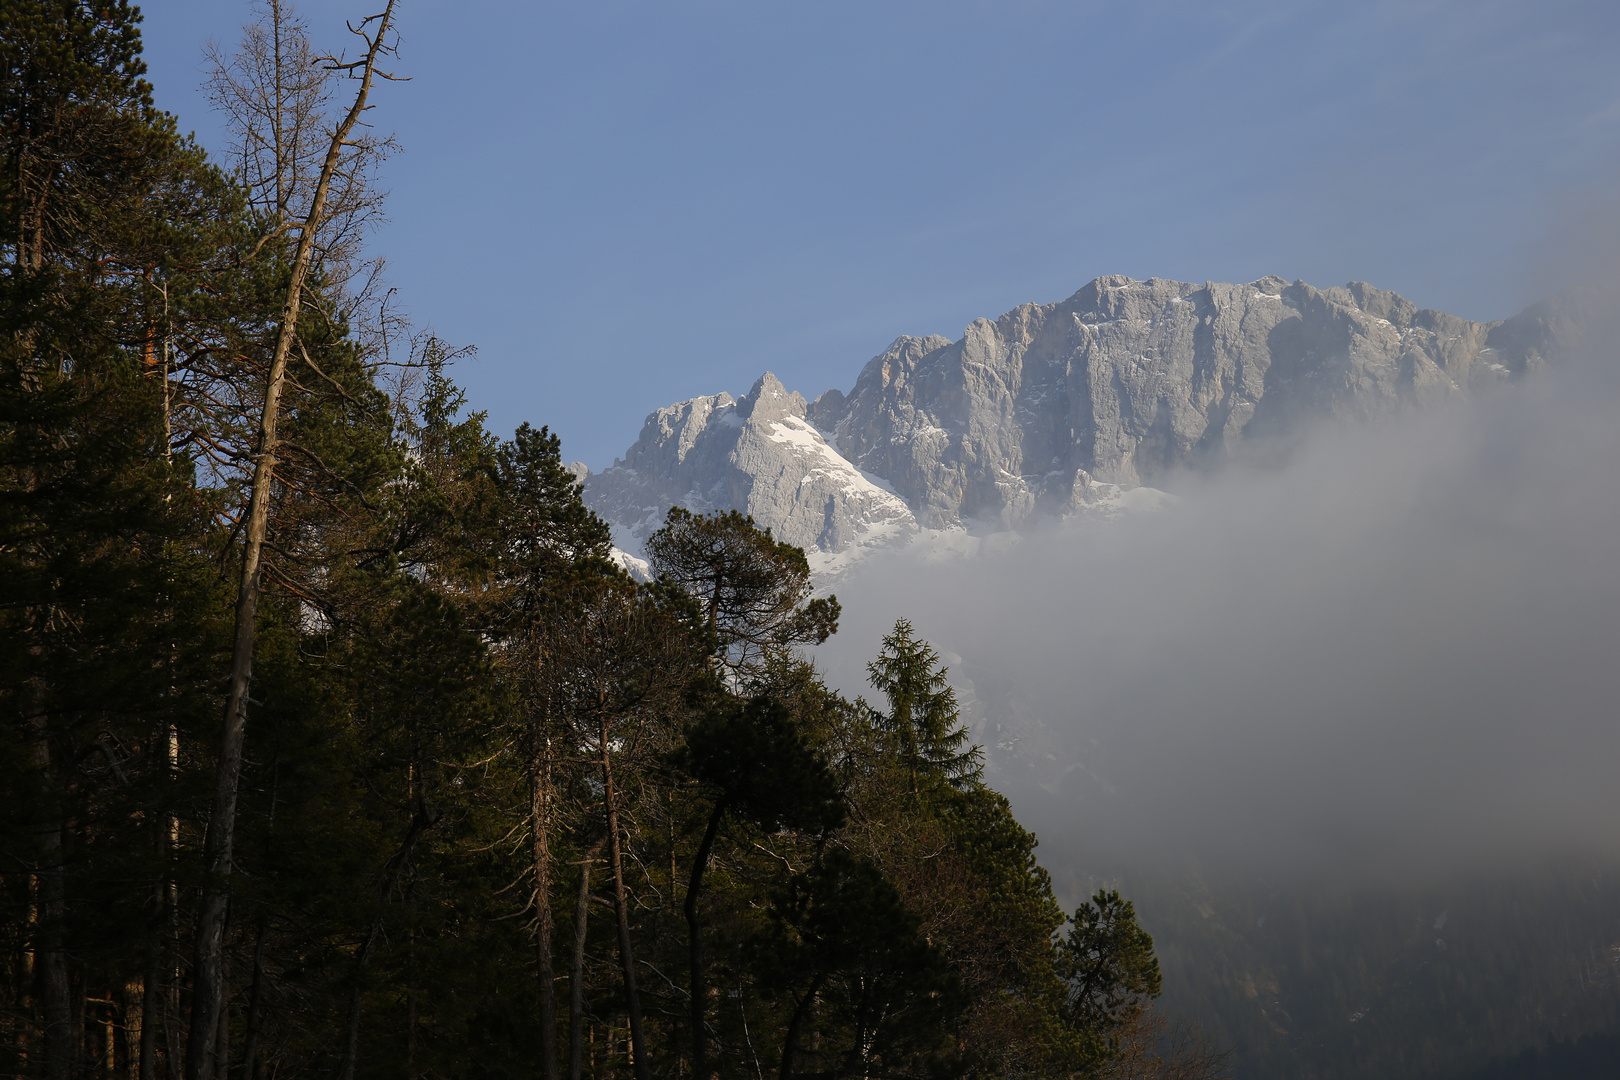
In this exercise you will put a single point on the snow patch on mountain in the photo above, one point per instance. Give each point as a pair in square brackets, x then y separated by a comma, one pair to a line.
[757, 455]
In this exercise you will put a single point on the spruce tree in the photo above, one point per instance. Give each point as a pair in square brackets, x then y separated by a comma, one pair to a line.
[922, 725]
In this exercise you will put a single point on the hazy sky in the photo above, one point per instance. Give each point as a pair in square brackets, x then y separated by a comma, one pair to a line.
[627, 204]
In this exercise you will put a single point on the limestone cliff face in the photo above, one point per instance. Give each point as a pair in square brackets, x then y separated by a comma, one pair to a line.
[758, 455]
[1054, 409]
[1127, 381]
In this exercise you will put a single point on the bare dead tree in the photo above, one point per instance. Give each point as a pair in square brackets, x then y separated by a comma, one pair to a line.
[275, 93]
[576, 970]
[541, 797]
[208, 972]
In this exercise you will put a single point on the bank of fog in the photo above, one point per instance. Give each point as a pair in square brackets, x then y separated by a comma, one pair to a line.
[1397, 654]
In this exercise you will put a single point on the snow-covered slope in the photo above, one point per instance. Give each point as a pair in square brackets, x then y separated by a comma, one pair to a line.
[758, 455]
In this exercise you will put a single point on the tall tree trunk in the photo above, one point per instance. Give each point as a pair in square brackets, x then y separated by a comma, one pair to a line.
[410, 996]
[208, 972]
[621, 912]
[222, 1041]
[152, 988]
[540, 849]
[151, 998]
[50, 944]
[130, 999]
[173, 1052]
[81, 1053]
[424, 818]
[576, 972]
[791, 1039]
[255, 1010]
[694, 944]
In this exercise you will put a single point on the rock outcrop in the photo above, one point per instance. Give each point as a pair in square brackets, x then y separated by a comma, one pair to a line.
[1055, 409]
[758, 455]
[1127, 382]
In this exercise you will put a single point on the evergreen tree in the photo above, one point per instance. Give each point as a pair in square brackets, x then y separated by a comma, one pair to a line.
[547, 537]
[922, 724]
[78, 125]
[106, 606]
[754, 590]
[1108, 963]
[756, 765]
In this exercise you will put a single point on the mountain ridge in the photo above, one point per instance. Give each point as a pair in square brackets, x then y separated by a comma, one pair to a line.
[1053, 410]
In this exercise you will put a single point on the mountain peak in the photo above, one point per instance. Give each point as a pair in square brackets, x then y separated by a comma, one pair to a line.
[770, 400]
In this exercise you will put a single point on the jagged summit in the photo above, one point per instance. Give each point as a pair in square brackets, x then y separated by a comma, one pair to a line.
[1053, 409]
[759, 455]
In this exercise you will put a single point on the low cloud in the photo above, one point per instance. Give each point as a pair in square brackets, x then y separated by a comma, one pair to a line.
[1399, 652]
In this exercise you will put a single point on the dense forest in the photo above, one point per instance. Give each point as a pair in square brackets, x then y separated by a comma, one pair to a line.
[336, 743]
[1501, 972]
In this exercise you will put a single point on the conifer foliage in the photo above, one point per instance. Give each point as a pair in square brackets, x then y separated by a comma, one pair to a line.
[483, 804]
[922, 725]
[754, 591]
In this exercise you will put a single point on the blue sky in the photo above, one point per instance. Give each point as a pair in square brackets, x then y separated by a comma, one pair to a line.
[626, 204]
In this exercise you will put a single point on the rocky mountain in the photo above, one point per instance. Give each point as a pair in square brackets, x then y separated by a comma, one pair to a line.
[759, 455]
[1054, 409]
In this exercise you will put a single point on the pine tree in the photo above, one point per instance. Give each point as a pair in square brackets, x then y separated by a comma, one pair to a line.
[105, 602]
[754, 764]
[754, 590]
[547, 538]
[619, 664]
[1108, 963]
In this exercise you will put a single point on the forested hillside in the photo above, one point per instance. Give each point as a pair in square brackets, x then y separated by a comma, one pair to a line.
[334, 742]
[1455, 977]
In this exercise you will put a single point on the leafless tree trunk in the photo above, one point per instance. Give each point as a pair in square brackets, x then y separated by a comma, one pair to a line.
[576, 973]
[694, 944]
[540, 797]
[621, 910]
[255, 1010]
[424, 818]
[208, 974]
[222, 1041]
